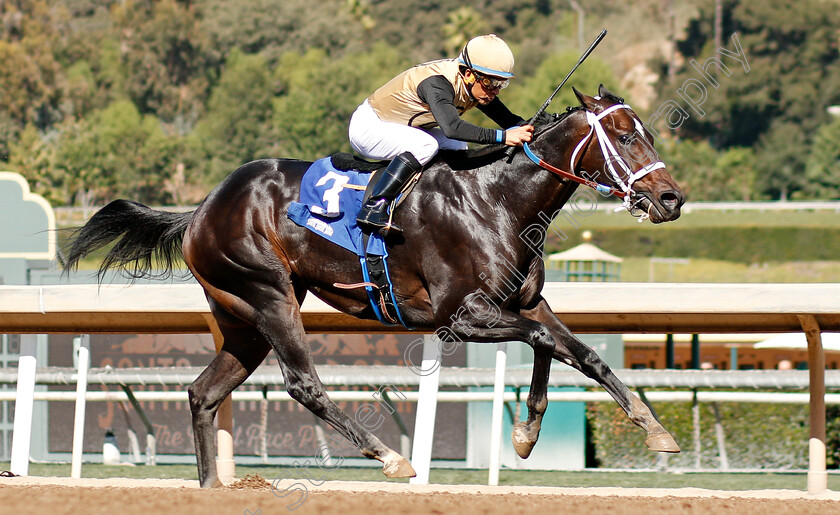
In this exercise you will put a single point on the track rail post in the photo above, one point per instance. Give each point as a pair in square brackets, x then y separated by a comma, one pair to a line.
[225, 465]
[817, 475]
[496, 416]
[24, 404]
[424, 425]
[81, 404]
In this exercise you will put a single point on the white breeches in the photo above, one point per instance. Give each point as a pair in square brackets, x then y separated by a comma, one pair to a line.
[375, 139]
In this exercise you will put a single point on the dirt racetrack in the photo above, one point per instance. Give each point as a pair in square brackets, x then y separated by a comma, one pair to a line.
[151, 497]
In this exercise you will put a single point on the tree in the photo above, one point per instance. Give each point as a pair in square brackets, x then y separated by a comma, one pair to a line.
[272, 28]
[822, 171]
[693, 166]
[32, 156]
[30, 74]
[779, 102]
[360, 11]
[68, 65]
[80, 89]
[781, 156]
[235, 128]
[462, 24]
[27, 87]
[166, 56]
[319, 95]
[526, 94]
[77, 168]
[116, 152]
[737, 172]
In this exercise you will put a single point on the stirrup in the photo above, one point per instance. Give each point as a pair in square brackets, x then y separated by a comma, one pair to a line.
[390, 229]
[376, 218]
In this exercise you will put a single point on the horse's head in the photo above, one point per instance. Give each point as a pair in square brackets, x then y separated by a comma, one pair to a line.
[618, 150]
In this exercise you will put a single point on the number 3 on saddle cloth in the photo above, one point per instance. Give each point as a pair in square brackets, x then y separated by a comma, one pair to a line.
[330, 198]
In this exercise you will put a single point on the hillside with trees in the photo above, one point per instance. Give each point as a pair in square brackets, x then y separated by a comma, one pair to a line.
[157, 100]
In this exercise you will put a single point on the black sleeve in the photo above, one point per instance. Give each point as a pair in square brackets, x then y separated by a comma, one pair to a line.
[500, 114]
[439, 94]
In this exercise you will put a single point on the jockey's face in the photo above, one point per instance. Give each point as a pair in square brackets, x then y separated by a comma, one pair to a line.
[481, 92]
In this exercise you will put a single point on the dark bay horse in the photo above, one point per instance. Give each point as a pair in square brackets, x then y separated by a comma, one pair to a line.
[462, 224]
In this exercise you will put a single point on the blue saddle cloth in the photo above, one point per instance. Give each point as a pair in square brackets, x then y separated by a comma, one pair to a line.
[329, 209]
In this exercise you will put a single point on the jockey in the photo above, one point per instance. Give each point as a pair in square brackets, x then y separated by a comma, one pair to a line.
[419, 112]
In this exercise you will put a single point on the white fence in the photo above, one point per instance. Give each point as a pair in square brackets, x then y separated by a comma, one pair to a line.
[584, 307]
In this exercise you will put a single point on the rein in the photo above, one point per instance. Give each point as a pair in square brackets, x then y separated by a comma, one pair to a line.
[607, 190]
[611, 156]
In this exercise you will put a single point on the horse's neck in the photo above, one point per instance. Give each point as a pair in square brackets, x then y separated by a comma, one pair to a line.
[537, 192]
[521, 191]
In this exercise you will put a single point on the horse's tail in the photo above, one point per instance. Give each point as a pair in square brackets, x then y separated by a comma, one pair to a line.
[148, 241]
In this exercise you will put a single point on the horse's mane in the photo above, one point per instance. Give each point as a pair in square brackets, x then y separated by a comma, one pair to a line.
[548, 120]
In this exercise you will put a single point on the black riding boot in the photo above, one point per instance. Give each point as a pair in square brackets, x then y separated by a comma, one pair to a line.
[374, 213]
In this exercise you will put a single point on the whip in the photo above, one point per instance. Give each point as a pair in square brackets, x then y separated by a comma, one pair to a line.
[542, 109]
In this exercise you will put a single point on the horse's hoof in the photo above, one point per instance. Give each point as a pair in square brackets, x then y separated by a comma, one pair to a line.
[662, 442]
[397, 466]
[524, 439]
[212, 483]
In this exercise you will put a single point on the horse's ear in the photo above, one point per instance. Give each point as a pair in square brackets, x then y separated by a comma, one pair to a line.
[584, 100]
[605, 93]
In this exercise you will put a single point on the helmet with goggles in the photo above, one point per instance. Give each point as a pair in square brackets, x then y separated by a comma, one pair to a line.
[490, 59]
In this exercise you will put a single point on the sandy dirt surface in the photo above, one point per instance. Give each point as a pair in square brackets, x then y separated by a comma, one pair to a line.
[253, 495]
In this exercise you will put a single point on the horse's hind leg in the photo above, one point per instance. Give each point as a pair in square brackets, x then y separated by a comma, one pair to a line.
[575, 353]
[243, 350]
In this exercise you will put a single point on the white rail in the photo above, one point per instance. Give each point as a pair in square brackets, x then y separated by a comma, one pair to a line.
[413, 396]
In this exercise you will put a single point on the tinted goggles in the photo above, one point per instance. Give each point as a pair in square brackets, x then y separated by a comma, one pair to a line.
[490, 83]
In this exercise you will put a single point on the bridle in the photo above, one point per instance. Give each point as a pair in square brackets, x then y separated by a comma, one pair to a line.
[623, 178]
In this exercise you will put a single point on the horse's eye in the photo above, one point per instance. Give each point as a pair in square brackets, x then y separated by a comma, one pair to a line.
[625, 139]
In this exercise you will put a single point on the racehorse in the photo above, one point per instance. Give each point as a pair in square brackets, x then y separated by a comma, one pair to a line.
[462, 225]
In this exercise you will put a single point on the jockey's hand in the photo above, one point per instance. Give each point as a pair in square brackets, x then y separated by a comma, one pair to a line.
[516, 136]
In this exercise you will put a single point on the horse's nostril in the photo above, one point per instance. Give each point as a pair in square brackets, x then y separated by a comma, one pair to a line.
[671, 199]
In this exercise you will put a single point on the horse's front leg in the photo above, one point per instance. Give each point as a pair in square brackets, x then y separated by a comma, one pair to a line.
[573, 352]
[479, 320]
[526, 433]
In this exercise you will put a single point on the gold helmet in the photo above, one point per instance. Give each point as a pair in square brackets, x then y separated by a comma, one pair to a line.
[488, 55]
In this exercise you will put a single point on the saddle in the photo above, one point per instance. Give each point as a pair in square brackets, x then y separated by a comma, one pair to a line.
[346, 162]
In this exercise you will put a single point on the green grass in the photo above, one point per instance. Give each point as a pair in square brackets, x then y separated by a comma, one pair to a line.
[639, 269]
[602, 220]
[589, 478]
